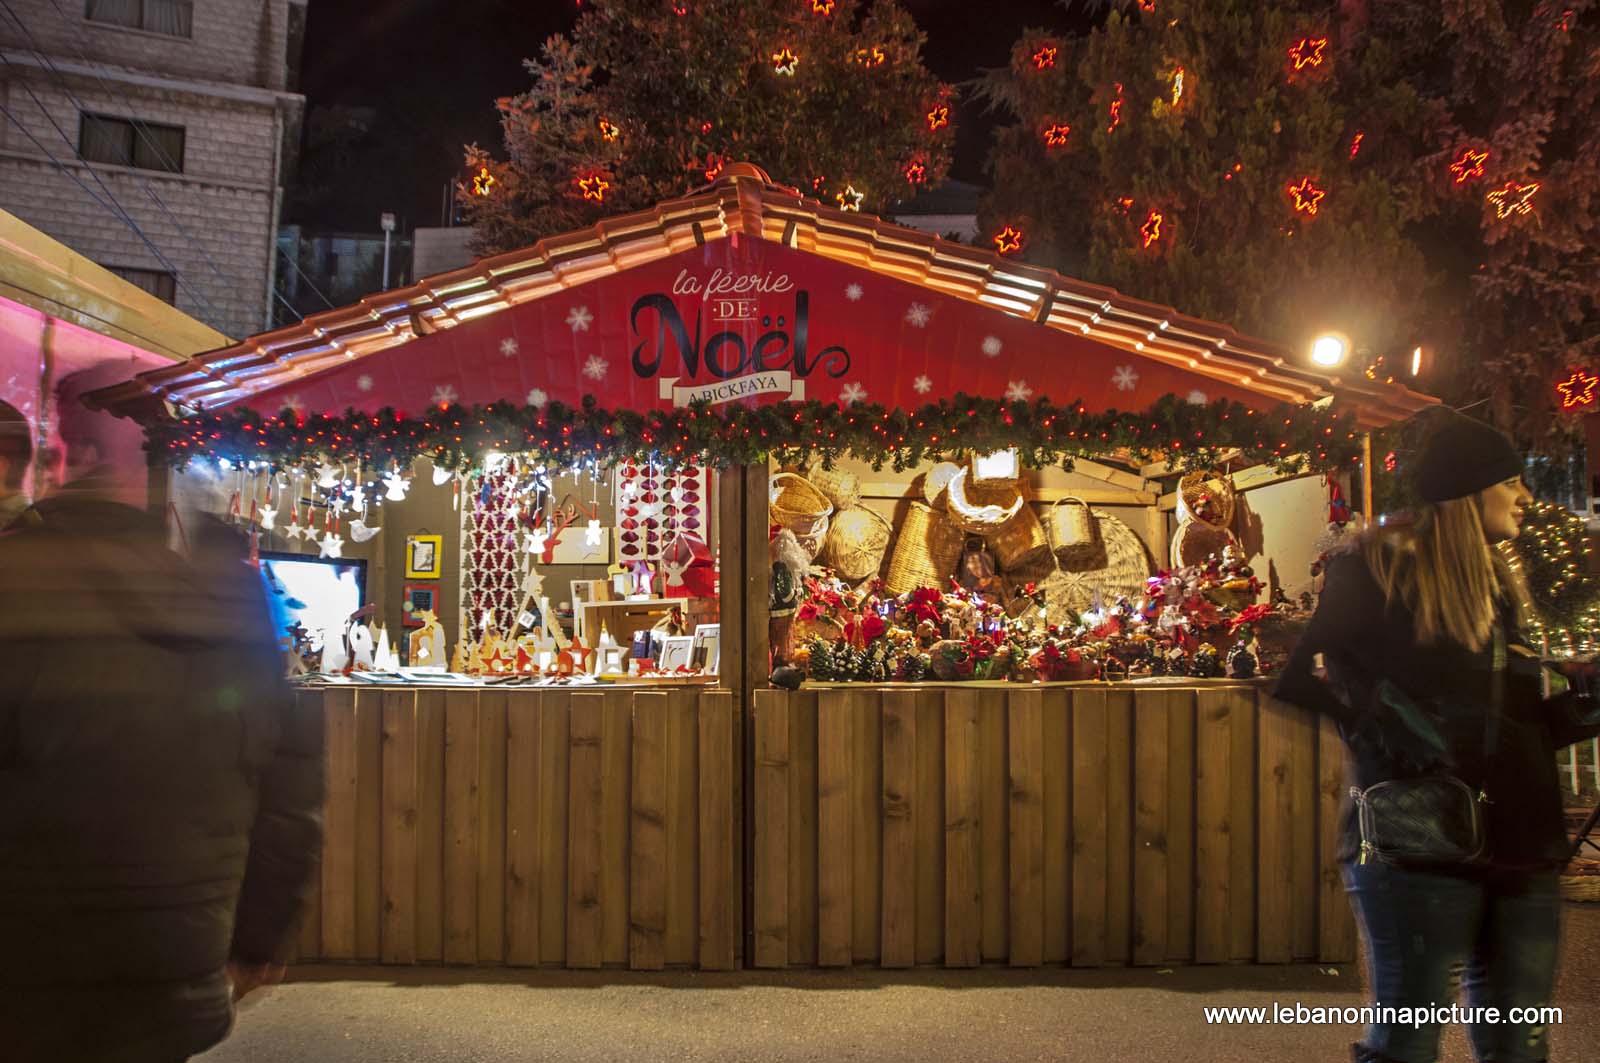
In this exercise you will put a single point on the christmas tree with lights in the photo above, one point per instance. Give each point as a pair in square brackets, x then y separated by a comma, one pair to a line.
[647, 99]
[1552, 554]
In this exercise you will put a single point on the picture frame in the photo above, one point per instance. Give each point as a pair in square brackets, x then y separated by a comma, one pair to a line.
[417, 599]
[707, 652]
[424, 556]
[675, 652]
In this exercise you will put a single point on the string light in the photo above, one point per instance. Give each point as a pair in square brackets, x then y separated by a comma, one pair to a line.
[1307, 51]
[483, 182]
[1469, 165]
[1151, 229]
[1307, 196]
[1055, 135]
[1579, 389]
[1512, 198]
[916, 172]
[1008, 240]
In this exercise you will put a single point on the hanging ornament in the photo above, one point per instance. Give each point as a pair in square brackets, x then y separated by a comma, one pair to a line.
[1307, 51]
[784, 62]
[594, 187]
[1045, 57]
[1512, 198]
[1579, 389]
[327, 476]
[483, 183]
[593, 534]
[441, 475]
[337, 504]
[1306, 196]
[1151, 229]
[330, 545]
[1469, 164]
[849, 199]
[537, 538]
[1008, 240]
[395, 486]
[360, 532]
[938, 118]
[268, 516]
[1055, 135]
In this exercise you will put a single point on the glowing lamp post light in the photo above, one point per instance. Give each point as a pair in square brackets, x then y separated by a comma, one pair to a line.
[1329, 350]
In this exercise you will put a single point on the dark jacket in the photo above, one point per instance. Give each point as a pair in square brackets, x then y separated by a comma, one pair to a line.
[1405, 710]
[160, 796]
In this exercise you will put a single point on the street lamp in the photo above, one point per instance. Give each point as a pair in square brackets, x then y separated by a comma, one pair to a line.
[386, 221]
[1329, 349]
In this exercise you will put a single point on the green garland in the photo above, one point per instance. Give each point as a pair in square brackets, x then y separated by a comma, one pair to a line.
[1289, 438]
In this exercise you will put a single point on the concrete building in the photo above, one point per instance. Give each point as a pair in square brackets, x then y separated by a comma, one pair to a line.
[150, 136]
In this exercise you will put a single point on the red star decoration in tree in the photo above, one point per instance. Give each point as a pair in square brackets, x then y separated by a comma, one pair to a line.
[1124, 204]
[594, 187]
[1055, 136]
[1578, 389]
[1355, 144]
[1469, 165]
[822, 7]
[1008, 240]
[714, 165]
[1306, 196]
[784, 62]
[938, 117]
[1147, 6]
[609, 131]
[483, 182]
[816, 183]
[1151, 229]
[1512, 198]
[1307, 51]
[1116, 109]
[916, 173]
[869, 57]
[1045, 57]
[680, 9]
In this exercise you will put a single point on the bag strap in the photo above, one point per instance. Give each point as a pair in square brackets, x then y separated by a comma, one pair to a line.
[1497, 694]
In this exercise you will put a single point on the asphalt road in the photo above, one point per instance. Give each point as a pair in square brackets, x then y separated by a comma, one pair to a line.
[434, 1015]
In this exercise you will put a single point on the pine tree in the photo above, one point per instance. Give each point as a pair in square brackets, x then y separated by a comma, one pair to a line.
[1552, 554]
[649, 98]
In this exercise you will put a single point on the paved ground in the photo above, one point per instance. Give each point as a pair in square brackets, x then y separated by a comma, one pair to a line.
[340, 1014]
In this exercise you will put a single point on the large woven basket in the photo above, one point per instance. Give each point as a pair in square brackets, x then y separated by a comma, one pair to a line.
[857, 539]
[1020, 544]
[980, 511]
[925, 552]
[841, 488]
[1126, 568]
[937, 482]
[1217, 486]
[1075, 534]
[794, 502]
[1195, 540]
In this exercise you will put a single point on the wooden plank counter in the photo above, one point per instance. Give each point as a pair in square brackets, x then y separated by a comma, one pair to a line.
[556, 827]
[1081, 824]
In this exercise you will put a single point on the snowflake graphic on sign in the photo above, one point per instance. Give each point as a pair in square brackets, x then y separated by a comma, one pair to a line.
[922, 385]
[508, 346]
[1125, 377]
[444, 395]
[852, 393]
[917, 315]
[364, 382]
[295, 403]
[853, 292]
[595, 368]
[991, 346]
[579, 319]
[537, 397]
[1018, 391]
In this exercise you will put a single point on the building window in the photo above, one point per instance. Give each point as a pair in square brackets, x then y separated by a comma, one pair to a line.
[174, 18]
[161, 285]
[121, 142]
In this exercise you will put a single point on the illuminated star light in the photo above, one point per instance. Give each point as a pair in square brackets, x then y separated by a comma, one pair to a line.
[714, 165]
[784, 62]
[1151, 229]
[1177, 86]
[1045, 57]
[1469, 165]
[483, 182]
[916, 173]
[870, 57]
[849, 199]
[1116, 109]
[1307, 196]
[594, 187]
[609, 131]
[822, 7]
[938, 117]
[1307, 51]
[1008, 240]
[1512, 198]
[1055, 136]
[1355, 144]
[1578, 389]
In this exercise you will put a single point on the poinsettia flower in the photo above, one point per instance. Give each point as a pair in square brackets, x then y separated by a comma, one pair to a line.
[807, 611]
[873, 626]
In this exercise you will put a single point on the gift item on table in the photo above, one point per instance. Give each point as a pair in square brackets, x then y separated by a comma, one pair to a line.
[687, 567]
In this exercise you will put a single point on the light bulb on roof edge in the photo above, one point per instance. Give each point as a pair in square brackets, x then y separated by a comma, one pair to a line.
[1329, 349]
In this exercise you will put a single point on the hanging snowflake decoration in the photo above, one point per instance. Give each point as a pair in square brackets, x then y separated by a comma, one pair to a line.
[444, 395]
[992, 346]
[852, 393]
[922, 385]
[853, 292]
[595, 367]
[1018, 391]
[364, 382]
[1125, 378]
[917, 315]
[1197, 398]
[508, 347]
[578, 320]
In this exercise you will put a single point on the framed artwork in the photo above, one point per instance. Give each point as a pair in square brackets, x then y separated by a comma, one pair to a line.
[424, 556]
[675, 651]
[707, 652]
[419, 598]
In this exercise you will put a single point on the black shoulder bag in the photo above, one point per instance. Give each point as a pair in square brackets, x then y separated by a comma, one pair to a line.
[1433, 820]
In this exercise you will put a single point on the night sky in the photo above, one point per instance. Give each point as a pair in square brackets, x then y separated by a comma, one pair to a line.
[432, 69]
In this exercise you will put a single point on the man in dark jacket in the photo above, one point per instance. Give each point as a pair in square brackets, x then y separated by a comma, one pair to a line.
[160, 796]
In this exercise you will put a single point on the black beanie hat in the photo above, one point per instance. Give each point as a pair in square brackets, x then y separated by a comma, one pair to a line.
[1461, 456]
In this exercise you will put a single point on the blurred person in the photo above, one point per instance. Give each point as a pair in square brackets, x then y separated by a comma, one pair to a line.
[16, 452]
[1418, 626]
[160, 798]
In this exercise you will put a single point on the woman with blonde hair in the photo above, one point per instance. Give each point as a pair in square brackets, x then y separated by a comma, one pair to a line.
[1454, 837]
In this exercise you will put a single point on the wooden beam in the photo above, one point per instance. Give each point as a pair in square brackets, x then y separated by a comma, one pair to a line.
[1257, 476]
[1095, 496]
[1157, 469]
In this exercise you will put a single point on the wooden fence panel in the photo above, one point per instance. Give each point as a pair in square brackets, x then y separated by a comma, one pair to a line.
[866, 826]
[616, 771]
[523, 814]
[647, 896]
[835, 844]
[430, 825]
[1304, 836]
[312, 707]
[1242, 817]
[1056, 745]
[555, 720]
[1119, 825]
[461, 827]
[801, 888]
[963, 912]
[929, 824]
[399, 937]
[993, 830]
[492, 826]
[1152, 758]
[1213, 819]
[1336, 933]
[718, 837]
[899, 945]
[1275, 835]
[339, 828]
[585, 917]
[1180, 826]
[681, 944]
[1090, 753]
[369, 824]
[1025, 757]
[770, 831]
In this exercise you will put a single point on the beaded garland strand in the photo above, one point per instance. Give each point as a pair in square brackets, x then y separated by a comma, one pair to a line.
[1288, 438]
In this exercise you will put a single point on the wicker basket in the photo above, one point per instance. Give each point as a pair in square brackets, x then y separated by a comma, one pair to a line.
[979, 511]
[793, 502]
[1075, 534]
[937, 482]
[857, 539]
[1001, 468]
[1218, 486]
[1020, 545]
[1126, 568]
[841, 488]
[1195, 540]
[925, 552]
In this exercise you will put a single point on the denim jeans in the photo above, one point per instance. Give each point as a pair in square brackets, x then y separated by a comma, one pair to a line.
[1428, 934]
